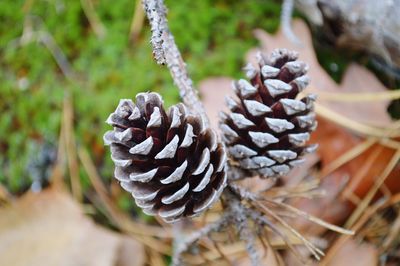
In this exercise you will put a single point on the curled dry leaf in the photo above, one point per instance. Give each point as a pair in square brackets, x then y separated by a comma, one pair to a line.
[50, 229]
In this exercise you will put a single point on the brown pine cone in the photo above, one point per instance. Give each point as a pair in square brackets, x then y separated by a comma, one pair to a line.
[267, 128]
[172, 165]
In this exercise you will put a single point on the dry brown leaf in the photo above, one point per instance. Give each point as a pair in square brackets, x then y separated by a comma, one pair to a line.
[355, 254]
[213, 91]
[50, 228]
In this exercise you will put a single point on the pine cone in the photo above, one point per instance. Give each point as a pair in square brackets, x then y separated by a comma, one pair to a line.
[172, 165]
[267, 129]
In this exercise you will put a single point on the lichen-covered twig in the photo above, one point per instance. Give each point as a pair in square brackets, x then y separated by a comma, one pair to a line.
[166, 52]
[188, 241]
[246, 233]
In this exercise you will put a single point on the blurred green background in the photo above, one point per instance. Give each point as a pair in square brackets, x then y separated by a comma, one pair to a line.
[96, 72]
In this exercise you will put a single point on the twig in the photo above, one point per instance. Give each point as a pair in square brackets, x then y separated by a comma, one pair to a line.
[166, 52]
[245, 233]
[235, 173]
[195, 236]
[243, 193]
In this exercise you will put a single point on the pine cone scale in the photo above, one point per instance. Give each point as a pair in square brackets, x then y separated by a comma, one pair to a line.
[168, 161]
[267, 128]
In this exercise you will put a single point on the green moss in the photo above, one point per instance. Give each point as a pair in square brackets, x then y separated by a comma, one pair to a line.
[213, 36]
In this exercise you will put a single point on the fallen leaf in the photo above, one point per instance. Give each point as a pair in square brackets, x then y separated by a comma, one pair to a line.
[355, 254]
[50, 228]
[213, 92]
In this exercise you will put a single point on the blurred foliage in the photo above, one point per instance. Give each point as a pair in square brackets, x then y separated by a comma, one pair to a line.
[213, 35]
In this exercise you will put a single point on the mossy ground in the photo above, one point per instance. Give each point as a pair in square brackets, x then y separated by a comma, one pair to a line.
[212, 35]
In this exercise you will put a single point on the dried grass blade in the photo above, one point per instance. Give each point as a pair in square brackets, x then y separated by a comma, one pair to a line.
[313, 218]
[368, 198]
[70, 146]
[285, 239]
[354, 125]
[137, 21]
[93, 18]
[316, 252]
[343, 238]
[359, 96]
[348, 156]
[58, 170]
[393, 234]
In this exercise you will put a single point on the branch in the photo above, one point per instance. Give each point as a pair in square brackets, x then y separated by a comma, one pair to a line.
[185, 244]
[166, 52]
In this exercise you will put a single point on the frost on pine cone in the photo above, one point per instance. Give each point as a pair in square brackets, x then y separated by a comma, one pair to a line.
[172, 165]
[267, 129]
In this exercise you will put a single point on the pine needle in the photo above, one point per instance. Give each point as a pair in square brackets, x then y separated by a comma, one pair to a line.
[316, 252]
[275, 229]
[371, 193]
[312, 218]
[359, 96]
[70, 145]
[353, 124]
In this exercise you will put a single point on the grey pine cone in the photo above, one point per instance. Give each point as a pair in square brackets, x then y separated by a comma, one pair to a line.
[267, 129]
[172, 165]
